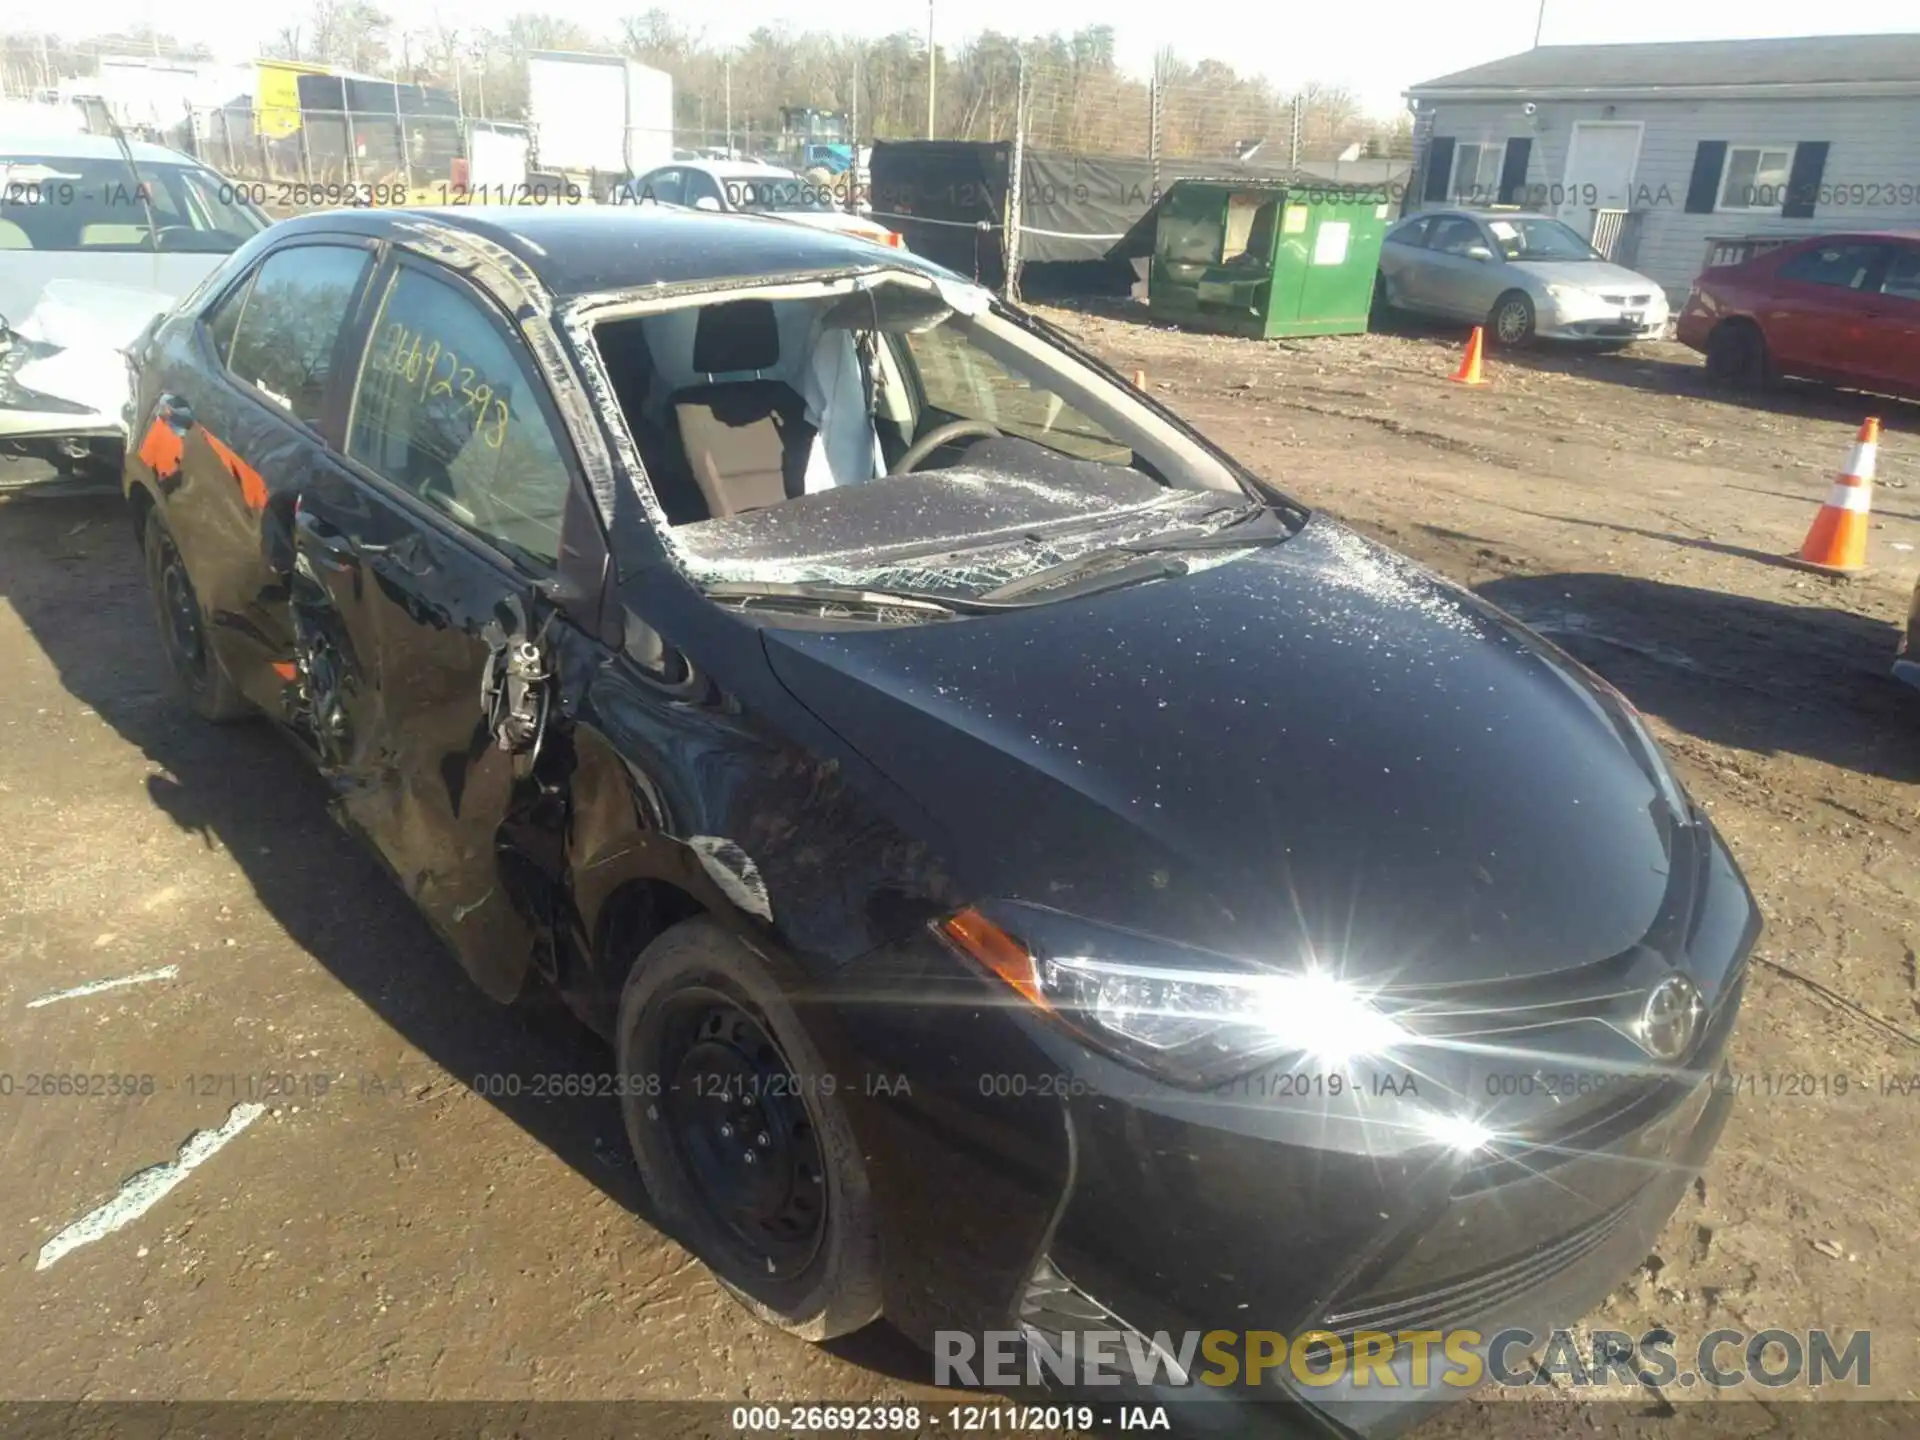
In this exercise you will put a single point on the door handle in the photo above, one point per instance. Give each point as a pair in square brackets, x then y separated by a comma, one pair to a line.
[337, 550]
[407, 552]
[334, 549]
[176, 412]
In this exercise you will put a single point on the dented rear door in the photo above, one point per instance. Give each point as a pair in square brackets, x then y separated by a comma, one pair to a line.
[425, 560]
[234, 424]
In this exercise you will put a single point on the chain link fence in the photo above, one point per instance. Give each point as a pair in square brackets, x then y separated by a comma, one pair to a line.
[330, 147]
[1193, 115]
[386, 154]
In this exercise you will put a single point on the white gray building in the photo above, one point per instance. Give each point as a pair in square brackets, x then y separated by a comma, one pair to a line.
[1668, 155]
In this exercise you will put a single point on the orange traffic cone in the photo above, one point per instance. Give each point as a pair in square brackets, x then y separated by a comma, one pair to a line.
[1469, 371]
[1837, 540]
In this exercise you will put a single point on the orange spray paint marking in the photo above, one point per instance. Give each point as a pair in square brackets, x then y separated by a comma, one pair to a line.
[162, 450]
[252, 488]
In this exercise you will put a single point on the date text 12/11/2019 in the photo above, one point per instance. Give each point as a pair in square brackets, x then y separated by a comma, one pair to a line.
[962, 1419]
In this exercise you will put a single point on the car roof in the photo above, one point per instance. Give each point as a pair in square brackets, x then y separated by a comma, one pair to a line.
[1828, 237]
[591, 249]
[738, 169]
[47, 145]
[1481, 214]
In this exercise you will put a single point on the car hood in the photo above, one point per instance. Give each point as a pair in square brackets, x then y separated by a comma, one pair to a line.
[1594, 275]
[63, 364]
[1317, 749]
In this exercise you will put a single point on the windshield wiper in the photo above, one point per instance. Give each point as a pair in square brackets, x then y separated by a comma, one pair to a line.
[1090, 575]
[862, 597]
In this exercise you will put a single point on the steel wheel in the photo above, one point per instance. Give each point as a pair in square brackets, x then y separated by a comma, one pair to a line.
[183, 637]
[742, 1131]
[180, 615]
[745, 1138]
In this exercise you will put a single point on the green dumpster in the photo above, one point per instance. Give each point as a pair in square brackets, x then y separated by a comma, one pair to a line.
[1267, 258]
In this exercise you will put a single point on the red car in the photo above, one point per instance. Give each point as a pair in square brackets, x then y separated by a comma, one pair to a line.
[1840, 308]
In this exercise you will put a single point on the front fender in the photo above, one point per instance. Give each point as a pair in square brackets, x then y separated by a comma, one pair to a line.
[680, 807]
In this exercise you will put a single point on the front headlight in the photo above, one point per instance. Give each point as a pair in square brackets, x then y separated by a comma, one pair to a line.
[1187, 1015]
[1572, 300]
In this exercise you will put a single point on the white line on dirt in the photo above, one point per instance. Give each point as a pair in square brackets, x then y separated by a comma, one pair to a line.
[141, 1192]
[96, 987]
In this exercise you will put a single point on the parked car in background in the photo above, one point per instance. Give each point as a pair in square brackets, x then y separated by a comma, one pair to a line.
[950, 786]
[750, 187]
[96, 239]
[1844, 309]
[1523, 276]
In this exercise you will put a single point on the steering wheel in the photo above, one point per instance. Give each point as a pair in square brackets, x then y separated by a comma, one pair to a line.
[941, 435]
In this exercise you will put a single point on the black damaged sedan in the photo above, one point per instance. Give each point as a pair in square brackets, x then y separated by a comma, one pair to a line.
[1033, 875]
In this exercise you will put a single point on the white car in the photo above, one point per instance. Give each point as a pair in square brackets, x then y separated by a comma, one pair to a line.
[95, 240]
[754, 188]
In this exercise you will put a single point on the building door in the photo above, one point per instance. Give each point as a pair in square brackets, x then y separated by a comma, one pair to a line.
[1601, 159]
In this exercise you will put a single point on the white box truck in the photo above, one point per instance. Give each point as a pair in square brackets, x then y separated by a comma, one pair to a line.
[601, 115]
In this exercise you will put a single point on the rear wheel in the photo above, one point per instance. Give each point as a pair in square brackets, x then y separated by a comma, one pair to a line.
[209, 691]
[1737, 356]
[744, 1146]
[1510, 322]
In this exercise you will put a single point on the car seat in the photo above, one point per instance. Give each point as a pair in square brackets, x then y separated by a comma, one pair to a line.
[747, 441]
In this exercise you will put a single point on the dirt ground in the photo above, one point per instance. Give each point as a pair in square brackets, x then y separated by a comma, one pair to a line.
[398, 1235]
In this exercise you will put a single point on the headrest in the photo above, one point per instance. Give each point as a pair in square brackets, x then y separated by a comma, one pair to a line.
[737, 335]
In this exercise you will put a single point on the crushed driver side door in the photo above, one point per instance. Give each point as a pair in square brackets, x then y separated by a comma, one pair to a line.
[427, 557]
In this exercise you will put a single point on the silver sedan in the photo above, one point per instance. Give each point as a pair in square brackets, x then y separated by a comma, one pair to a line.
[1520, 275]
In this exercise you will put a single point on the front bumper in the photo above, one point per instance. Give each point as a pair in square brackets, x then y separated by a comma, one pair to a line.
[1650, 324]
[1026, 1185]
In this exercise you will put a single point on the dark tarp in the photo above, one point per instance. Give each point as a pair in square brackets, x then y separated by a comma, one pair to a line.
[1098, 207]
[949, 198]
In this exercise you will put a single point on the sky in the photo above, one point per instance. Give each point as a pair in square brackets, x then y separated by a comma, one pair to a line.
[1376, 49]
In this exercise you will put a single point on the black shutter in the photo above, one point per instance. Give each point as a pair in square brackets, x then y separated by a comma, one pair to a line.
[1513, 170]
[1703, 190]
[1803, 185]
[1439, 167]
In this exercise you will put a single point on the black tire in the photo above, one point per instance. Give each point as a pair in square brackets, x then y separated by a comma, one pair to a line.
[1510, 322]
[197, 671]
[684, 1008]
[1737, 356]
[1382, 312]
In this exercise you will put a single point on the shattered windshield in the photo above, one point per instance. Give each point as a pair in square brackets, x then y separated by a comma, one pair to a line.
[901, 435]
[55, 202]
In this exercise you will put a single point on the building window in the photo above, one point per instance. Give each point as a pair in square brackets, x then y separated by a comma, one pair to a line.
[1755, 177]
[1476, 172]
